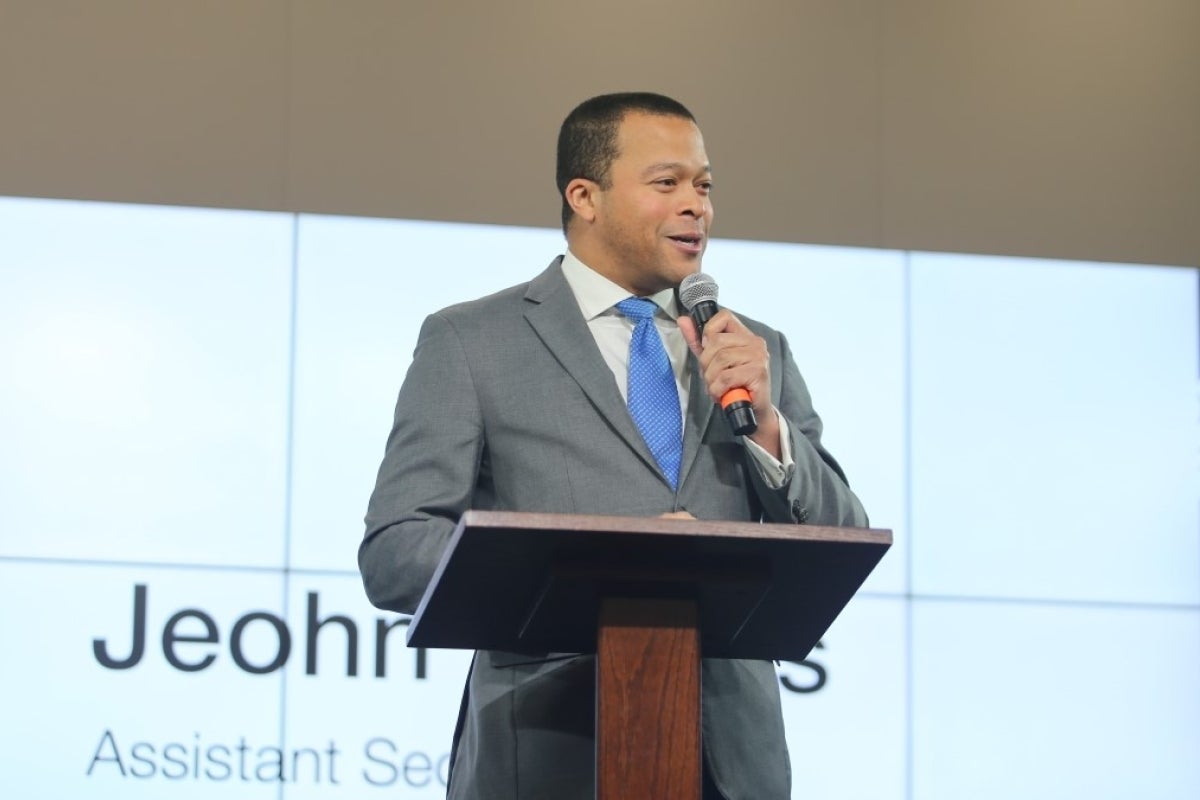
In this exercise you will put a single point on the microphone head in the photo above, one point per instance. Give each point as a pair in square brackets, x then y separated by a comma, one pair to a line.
[695, 289]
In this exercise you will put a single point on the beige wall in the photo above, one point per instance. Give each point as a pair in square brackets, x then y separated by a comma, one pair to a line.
[1065, 128]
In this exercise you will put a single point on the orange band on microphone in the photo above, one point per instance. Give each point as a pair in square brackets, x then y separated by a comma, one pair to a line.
[733, 396]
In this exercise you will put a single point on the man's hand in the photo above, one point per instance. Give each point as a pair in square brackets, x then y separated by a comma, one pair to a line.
[732, 357]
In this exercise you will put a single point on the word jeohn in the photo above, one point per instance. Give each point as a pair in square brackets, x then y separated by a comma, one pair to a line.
[194, 661]
[173, 637]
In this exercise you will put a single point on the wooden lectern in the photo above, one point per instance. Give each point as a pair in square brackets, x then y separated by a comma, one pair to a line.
[648, 596]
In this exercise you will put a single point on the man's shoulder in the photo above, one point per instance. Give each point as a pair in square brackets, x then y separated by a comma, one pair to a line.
[504, 302]
[488, 304]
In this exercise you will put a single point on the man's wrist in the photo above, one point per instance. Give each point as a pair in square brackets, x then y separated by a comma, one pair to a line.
[769, 434]
[776, 471]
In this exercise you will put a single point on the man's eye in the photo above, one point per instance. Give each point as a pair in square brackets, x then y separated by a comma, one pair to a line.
[666, 181]
[705, 186]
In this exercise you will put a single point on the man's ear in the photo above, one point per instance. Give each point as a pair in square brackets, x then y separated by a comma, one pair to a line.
[582, 195]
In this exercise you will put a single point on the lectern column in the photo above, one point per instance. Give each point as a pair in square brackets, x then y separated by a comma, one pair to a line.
[648, 700]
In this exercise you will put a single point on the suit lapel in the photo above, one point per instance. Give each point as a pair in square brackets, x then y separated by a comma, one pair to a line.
[554, 314]
[700, 411]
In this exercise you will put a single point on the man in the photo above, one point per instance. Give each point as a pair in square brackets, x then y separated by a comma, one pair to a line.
[518, 402]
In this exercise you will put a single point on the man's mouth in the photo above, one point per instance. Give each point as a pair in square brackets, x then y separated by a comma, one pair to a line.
[689, 242]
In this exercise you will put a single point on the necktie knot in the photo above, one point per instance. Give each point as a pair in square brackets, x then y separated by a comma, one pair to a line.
[637, 309]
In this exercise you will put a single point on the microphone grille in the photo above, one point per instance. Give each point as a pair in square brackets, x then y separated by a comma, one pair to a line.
[697, 288]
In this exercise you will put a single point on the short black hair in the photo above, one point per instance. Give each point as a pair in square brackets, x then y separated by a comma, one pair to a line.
[587, 140]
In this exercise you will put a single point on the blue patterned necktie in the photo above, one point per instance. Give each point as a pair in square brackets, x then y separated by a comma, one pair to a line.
[653, 396]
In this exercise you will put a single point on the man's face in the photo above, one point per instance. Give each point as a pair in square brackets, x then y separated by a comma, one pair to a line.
[652, 221]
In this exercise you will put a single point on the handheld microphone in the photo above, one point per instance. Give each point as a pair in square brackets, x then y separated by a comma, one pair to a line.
[698, 294]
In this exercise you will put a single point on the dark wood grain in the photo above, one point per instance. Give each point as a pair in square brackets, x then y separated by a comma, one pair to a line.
[648, 700]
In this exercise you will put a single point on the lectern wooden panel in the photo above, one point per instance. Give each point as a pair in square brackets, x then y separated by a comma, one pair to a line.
[648, 722]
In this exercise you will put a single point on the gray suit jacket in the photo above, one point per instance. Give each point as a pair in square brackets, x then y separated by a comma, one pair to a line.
[509, 405]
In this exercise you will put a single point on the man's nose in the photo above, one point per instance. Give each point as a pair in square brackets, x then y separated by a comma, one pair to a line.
[696, 203]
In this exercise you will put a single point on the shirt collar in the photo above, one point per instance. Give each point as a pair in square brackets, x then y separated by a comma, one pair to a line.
[597, 295]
